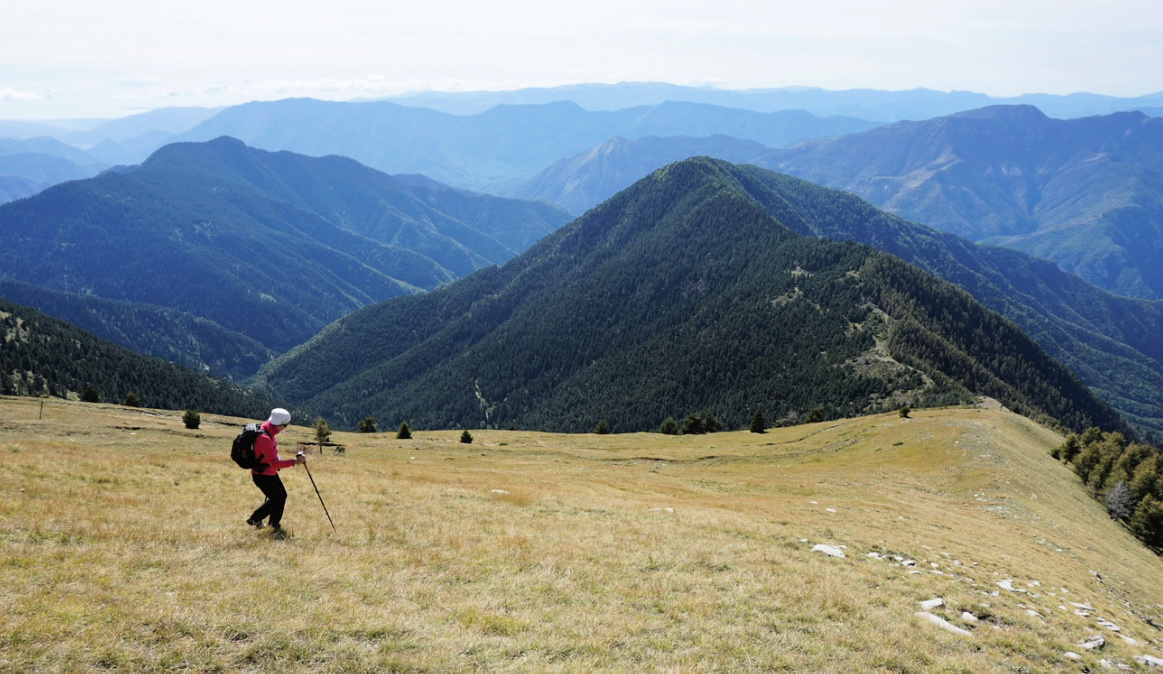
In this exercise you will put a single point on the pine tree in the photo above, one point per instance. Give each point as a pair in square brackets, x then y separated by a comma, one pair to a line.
[367, 425]
[90, 395]
[192, 419]
[669, 426]
[466, 437]
[405, 433]
[322, 432]
[602, 428]
[758, 423]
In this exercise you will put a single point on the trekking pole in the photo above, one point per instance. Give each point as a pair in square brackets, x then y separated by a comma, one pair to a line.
[320, 497]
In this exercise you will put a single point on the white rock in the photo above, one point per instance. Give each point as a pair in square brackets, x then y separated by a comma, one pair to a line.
[969, 617]
[1084, 607]
[1149, 660]
[932, 604]
[1108, 624]
[1034, 613]
[1071, 655]
[831, 510]
[498, 491]
[908, 562]
[1128, 640]
[943, 624]
[1093, 642]
[828, 550]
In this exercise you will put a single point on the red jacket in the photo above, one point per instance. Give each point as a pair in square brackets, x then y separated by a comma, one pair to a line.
[266, 450]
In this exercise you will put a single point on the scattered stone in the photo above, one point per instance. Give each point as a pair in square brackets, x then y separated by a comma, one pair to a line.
[969, 617]
[1084, 607]
[874, 555]
[498, 491]
[932, 604]
[1008, 585]
[1033, 613]
[831, 510]
[908, 562]
[1108, 624]
[1128, 640]
[943, 624]
[1071, 655]
[828, 550]
[1149, 660]
[1093, 642]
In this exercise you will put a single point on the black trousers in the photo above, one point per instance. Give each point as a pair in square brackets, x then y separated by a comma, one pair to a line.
[271, 487]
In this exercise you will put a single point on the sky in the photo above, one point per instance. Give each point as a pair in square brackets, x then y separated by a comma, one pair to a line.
[69, 59]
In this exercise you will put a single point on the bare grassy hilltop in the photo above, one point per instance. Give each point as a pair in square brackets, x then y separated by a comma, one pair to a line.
[123, 548]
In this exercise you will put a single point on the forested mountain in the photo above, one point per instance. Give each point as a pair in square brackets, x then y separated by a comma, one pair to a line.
[172, 335]
[1085, 193]
[41, 355]
[272, 246]
[682, 294]
[583, 181]
[495, 150]
[1111, 342]
[885, 106]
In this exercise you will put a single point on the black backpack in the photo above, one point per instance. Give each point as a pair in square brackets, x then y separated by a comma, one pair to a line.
[242, 451]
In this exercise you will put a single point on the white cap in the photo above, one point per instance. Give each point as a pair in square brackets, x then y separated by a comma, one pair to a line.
[280, 416]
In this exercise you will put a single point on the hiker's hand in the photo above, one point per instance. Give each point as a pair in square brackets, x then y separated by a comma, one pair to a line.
[300, 458]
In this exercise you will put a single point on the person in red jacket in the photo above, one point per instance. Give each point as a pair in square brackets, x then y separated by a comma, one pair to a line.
[266, 451]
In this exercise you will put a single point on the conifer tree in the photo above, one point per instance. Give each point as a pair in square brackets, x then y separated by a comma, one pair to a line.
[367, 425]
[758, 423]
[466, 437]
[405, 433]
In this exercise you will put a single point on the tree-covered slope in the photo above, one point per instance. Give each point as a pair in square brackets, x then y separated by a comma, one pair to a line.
[680, 295]
[40, 355]
[172, 335]
[1085, 193]
[272, 246]
[1111, 342]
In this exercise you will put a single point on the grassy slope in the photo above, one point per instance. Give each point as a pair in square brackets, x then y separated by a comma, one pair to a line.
[122, 546]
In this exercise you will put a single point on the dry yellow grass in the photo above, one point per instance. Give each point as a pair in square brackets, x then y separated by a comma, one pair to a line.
[122, 547]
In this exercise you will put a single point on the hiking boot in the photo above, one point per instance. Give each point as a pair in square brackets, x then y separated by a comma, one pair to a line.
[257, 524]
[277, 532]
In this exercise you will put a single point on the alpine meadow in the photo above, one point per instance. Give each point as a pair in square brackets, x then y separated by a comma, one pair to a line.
[346, 362]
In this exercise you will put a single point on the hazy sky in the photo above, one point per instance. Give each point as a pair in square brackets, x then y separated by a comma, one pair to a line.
[110, 58]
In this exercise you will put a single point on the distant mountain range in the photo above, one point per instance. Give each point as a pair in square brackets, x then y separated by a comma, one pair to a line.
[585, 180]
[495, 150]
[271, 246]
[29, 166]
[871, 104]
[686, 293]
[1085, 193]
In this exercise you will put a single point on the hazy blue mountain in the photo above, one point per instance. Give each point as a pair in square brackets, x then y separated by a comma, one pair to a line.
[885, 106]
[683, 294]
[495, 150]
[27, 166]
[1085, 193]
[583, 181]
[270, 245]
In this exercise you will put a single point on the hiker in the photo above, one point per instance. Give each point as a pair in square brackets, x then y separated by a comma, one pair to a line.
[266, 453]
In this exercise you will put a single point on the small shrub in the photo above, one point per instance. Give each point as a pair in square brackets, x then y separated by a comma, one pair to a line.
[404, 433]
[367, 425]
[90, 395]
[602, 428]
[692, 425]
[192, 419]
[466, 437]
[905, 412]
[669, 426]
[131, 399]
